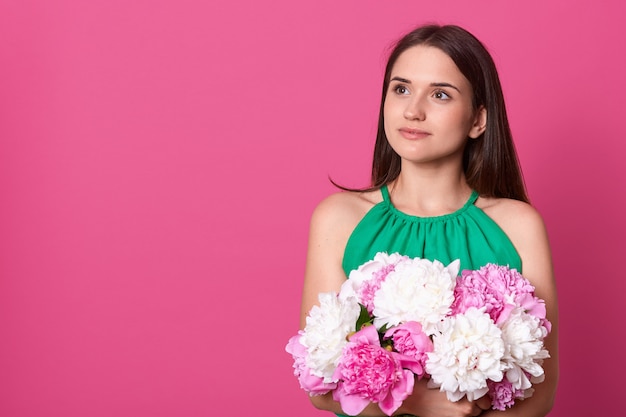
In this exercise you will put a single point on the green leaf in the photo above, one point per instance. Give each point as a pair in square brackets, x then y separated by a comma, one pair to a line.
[364, 319]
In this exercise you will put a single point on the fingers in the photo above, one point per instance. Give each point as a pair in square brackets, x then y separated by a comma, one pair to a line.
[478, 406]
[484, 403]
[470, 408]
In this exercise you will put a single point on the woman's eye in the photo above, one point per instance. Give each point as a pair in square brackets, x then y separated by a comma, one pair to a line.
[400, 89]
[441, 95]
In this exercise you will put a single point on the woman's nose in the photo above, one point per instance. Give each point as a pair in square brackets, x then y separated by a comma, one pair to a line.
[415, 109]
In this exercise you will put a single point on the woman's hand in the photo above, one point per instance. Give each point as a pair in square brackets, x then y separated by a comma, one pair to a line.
[428, 402]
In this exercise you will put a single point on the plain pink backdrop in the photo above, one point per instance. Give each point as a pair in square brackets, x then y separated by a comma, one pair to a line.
[159, 161]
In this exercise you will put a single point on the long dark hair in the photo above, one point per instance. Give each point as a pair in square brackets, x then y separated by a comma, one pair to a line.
[490, 161]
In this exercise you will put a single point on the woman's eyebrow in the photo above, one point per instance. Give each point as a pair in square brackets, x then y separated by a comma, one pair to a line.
[438, 84]
[400, 79]
[445, 85]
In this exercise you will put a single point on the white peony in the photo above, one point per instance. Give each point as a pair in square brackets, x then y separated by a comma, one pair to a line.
[417, 290]
[326, 331]
[523, 336]
[467, 352]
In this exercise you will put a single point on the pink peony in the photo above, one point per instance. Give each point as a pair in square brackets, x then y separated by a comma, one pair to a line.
[498, 289]
[473, 289]
[503, 394]
[368, 373]
[310, 383]
[505, 280]
[409, 339]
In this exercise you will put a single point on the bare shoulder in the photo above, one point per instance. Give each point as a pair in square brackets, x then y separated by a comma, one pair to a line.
[332, 223]
[514, 217]
[343, 210]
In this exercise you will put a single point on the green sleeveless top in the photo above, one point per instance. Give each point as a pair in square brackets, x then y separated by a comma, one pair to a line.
[467, 234]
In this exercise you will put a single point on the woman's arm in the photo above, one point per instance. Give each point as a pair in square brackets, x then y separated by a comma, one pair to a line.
[526, 229]
[332, 223]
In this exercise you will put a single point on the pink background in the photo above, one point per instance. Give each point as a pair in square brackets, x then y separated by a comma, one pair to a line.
[159, 161]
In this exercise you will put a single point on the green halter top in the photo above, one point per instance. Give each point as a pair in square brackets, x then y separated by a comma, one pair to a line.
[467, 234]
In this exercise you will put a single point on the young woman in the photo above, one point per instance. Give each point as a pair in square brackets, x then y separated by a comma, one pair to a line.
[446, 185]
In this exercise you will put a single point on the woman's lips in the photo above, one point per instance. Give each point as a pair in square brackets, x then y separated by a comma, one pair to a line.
[413, 134]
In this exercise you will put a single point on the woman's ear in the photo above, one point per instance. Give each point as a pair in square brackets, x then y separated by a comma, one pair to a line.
[480, 123]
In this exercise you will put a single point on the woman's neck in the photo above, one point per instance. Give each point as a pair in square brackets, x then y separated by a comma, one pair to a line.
[424, 192]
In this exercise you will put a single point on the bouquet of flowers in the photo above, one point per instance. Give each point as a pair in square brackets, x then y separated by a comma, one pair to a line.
[397, 318]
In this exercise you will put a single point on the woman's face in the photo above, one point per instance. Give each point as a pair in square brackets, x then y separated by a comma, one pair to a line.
[428, 113]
